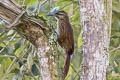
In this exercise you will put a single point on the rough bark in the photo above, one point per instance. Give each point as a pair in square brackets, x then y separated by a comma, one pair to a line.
[96, 33]
[34, 30]
[43, 59]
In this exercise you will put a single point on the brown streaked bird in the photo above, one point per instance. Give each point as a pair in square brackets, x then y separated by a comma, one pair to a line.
[65, 36]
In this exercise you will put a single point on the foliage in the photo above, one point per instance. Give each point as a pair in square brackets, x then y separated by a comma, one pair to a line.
[18, 56]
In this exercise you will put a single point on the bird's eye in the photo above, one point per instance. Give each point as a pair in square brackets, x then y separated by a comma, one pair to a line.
[61, 15]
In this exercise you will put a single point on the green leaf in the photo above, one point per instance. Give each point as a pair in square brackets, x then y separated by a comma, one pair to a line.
[30, 61]
[80, 40]
[31, 2]
[10, 32]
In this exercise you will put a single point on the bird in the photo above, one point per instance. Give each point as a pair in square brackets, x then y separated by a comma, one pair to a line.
[65, 37]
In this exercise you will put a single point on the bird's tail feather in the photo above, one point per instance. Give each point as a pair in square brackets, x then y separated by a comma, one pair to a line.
[67, 64]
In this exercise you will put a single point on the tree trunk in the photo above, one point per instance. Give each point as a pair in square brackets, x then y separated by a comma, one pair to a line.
[96, 36]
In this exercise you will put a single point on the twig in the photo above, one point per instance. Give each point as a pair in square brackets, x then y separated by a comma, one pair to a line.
[67, 5]
[115, 49]
[9, 69]
[13, 62]
[23, 4]
[7, 56]
[3, 42]
[16, 20]
[77, 74]
[74, 69]
[39, 5]
[8, 42]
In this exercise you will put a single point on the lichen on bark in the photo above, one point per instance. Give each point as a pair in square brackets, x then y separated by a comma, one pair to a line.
[95, 40]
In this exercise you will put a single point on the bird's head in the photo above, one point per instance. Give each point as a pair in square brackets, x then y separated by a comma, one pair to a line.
[60, 15]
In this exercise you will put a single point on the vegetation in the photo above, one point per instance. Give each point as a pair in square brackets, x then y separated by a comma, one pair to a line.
[18, 57]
